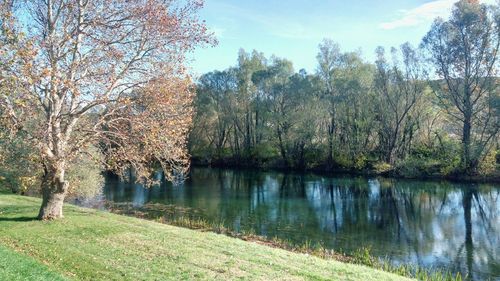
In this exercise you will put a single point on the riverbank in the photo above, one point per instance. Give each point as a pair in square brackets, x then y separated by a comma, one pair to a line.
[371, 172]
[95, 245]
[362, 256]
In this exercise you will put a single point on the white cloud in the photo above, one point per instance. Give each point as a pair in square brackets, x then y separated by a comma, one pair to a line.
[424, 14]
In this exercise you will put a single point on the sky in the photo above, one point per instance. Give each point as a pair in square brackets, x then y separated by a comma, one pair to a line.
[293, 29]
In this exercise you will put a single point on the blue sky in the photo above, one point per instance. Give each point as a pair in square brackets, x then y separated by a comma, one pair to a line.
[293, 28]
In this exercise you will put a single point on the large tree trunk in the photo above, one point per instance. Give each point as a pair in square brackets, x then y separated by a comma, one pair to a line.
[390, 157]
[393, 145]
[282, 146]
[331, 132]
[54, 190]
[247, 132]
[257, 128]
[467, 161]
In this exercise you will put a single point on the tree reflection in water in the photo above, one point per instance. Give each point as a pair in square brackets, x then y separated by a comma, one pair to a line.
[433, 224]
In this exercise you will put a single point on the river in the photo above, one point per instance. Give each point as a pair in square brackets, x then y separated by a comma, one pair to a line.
[433, 224]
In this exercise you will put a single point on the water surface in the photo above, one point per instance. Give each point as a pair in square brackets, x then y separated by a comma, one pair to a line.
[432, 224]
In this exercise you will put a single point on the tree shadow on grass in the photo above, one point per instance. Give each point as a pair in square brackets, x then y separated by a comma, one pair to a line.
[19, 219]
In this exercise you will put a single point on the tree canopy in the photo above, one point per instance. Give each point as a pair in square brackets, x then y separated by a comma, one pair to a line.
[429, 110]
[108, 74]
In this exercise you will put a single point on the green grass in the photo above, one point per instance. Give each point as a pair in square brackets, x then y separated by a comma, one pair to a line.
[362, 256]
[94, 245]
[14, 266]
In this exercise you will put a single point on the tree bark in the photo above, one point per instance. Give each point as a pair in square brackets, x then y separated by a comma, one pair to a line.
[247, 135]
[282, 146]
[331, 132]
[54, 190]
[391, 153]
[467, 162]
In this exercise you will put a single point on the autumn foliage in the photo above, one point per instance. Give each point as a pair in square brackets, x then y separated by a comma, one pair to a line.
[80, 74]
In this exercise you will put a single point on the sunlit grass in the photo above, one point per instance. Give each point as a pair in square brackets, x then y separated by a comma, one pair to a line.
[94, 245]
[181, 216]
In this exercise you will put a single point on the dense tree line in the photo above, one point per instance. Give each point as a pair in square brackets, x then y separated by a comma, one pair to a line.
[417, 111]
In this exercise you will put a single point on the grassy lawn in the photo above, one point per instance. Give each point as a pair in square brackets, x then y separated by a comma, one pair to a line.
[94, 245]
[14, 266]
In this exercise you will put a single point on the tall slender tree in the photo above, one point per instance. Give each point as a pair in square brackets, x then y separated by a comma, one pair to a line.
[464, 51]
[248, 64]
[400, 86]
[329, 58]
[215, 93]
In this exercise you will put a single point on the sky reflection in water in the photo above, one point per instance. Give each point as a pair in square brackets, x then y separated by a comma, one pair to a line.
[434, 224]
